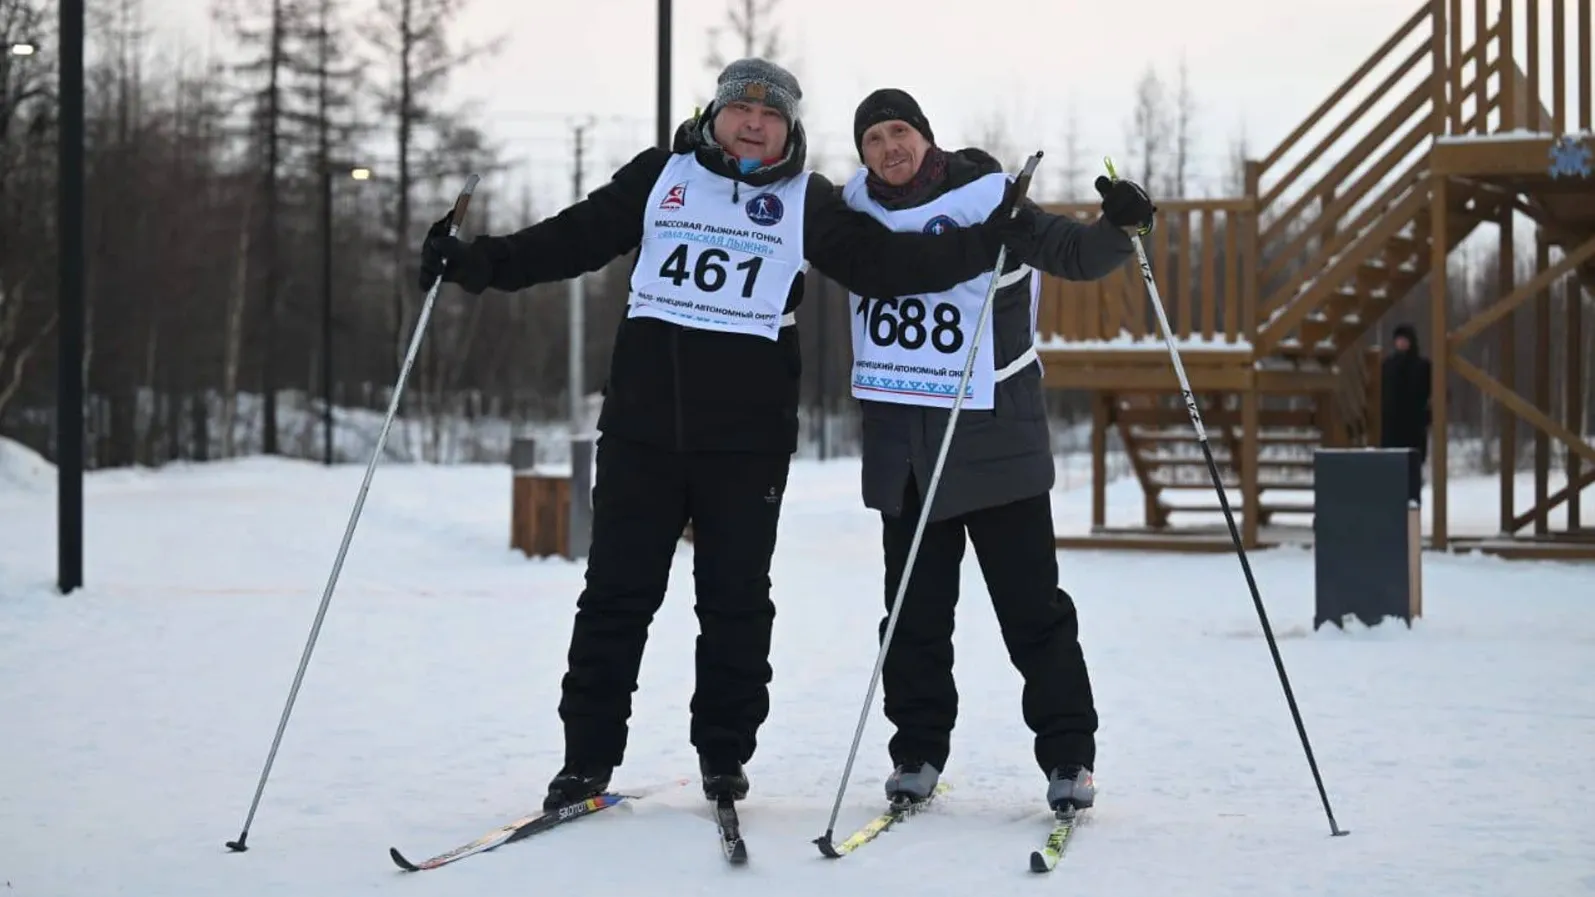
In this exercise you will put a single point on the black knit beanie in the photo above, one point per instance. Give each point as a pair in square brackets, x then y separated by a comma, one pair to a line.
[888, 104]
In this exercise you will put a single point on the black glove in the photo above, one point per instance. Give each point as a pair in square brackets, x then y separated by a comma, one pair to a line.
[1125, 204]
[458, 261]
[1015, 231]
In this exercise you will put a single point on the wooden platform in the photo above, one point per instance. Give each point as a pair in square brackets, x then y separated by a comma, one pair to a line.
[1278, 299]
[1183, 539]
[1579, 547]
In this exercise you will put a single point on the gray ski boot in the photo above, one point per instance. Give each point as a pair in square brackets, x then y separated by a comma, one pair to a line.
[1070, 787]
[912, 782]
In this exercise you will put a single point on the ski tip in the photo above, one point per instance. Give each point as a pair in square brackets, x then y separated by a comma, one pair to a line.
[1038, 863]
[401, 862]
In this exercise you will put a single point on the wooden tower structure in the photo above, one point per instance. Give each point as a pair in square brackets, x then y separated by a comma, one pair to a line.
[1483, 117]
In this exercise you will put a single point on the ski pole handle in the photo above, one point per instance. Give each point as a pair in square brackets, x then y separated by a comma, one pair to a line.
[461, 204]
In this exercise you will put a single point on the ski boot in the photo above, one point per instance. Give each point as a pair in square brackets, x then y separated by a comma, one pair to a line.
[723, 779]
[574, 785]
[1070, 788]
[912, 782]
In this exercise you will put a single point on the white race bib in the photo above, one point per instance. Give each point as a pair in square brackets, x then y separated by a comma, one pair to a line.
[718, 255]
[911, 349]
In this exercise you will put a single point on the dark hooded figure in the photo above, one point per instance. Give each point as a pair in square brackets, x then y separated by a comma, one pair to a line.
[1404, 400]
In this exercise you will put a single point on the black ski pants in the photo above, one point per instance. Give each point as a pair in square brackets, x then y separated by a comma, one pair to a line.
[1016, 547]
[643, 497]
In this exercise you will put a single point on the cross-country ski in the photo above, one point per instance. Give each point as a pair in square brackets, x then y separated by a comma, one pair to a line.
[527, 826]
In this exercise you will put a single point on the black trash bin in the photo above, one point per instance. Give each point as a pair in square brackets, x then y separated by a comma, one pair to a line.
[1367, 537]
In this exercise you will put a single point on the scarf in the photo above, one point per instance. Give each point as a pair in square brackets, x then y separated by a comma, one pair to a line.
[932, 171]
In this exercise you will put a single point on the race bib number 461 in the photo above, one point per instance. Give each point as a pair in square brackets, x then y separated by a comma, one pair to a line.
[708, 271]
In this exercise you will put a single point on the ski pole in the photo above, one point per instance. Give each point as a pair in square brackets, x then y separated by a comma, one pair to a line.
[458, 215]
[1229, 517]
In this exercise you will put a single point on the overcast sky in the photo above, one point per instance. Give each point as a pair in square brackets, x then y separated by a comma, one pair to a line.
[1257, 64]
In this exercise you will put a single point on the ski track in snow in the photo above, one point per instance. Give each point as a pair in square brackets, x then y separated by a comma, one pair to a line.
[137, 713]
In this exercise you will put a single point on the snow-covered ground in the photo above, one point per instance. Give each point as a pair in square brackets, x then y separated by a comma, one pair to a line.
[135, 714]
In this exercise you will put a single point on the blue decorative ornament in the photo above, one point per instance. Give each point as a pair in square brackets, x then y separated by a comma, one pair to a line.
[1570, 157]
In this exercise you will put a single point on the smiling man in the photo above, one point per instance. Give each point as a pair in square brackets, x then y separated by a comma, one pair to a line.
[699, 419]
[998, 474]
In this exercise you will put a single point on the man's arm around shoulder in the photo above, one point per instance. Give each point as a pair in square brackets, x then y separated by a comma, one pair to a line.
[870, 259]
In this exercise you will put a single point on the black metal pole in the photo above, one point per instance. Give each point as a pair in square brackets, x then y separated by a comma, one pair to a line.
[822, 383]
[326, 314]
[69, 386]
[664, 75]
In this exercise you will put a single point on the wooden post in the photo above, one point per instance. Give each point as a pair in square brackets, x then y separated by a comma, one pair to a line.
[1373, 384]
[1573, 391]
[1101, 411]
[1441, 74]
[1251, 496]
[1415, 562]
[1542, 390]
[539, 505]
[1252, 251]
[1508, 420]
[1439, 329]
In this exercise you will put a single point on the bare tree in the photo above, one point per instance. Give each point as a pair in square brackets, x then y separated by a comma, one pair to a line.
[26, 253]
[1234, 183]
[1148, 129]
[1184, 114]
[412, 37]
[1074, 173]
[265, 29]
[750, 25]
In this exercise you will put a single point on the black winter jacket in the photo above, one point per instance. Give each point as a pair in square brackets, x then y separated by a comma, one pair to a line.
[1004, 454]
[687, 389]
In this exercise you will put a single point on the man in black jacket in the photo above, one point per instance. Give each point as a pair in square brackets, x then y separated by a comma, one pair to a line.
[699, 420]
[1404, 385]
[998, 474]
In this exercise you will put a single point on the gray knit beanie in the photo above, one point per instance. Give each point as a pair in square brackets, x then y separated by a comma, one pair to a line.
[759, 81]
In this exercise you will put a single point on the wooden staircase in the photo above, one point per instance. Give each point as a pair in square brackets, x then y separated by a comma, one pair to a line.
[1334, 254]
[1274, 296]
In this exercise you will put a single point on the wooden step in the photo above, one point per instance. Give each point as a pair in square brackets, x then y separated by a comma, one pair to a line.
[1265, 507]
[1223, 459]
[1263, 438]
[1298, 349]
[1233, 484]
[1213, 418]
[1401, 250]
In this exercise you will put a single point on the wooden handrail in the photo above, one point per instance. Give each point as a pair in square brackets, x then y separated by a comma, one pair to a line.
[1337, 210]
[1375, 137]
[1091, 210]
[1346, 198]
[1340, 93]
[1195, 252]
[1374, 96]
[1289, 292]
[1269, 334]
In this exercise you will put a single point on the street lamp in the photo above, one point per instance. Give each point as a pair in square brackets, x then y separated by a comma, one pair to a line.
[23, 48]
[360, 174]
